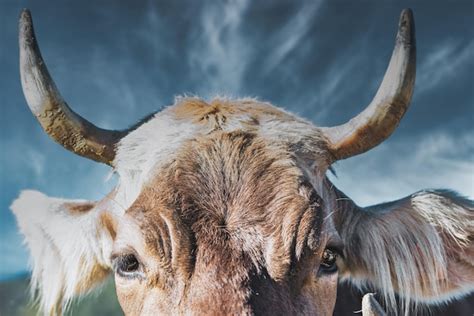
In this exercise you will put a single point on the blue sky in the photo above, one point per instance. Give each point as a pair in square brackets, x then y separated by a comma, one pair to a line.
[116, 61]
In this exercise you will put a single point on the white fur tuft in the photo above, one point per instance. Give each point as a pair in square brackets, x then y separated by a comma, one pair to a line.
[67, 253]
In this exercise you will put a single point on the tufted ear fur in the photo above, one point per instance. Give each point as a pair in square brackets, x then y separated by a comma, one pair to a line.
[420, 247]
[69, 241]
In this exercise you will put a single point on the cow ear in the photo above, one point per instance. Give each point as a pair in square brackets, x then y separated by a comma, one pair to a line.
[69, 241]
[420, 247]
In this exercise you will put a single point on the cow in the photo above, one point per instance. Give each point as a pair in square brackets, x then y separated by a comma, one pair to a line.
[224, 207]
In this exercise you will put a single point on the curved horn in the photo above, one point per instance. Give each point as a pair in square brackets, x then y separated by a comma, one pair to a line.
[370, 306]
[57, 119]
[381, 117]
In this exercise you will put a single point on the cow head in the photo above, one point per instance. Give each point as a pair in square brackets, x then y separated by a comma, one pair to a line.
[223, 207]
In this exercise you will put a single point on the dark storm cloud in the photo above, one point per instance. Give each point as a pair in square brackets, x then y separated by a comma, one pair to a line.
[116, 61]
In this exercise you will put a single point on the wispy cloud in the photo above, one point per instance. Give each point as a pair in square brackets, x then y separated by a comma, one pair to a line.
[113, 85]
[335, 87]
[290, 36]
[445, 146]
[28, 160]
[443, 63]
[36, 161]
[392, 171]
[219, 52]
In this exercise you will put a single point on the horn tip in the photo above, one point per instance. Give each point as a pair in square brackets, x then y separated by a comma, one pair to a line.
[407, 12]
[406, 17]
[25, 15]
[406, 27]
[370, 306]
[26, 25]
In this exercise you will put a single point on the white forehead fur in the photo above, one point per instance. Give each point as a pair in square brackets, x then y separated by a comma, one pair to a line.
[155, 142]
[141, 150]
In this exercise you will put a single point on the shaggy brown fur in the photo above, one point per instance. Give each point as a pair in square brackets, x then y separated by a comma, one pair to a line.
[238, 222]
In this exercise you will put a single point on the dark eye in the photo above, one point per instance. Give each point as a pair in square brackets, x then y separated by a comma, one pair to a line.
[328, 261]
[127, 265]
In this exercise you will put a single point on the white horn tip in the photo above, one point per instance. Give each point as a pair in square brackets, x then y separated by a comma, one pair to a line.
[370, 306]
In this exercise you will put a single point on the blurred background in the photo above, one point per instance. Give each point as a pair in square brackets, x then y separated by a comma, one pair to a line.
[117, 61]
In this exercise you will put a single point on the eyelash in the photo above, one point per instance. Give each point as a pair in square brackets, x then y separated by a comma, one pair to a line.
[328, 261]
[127, 266]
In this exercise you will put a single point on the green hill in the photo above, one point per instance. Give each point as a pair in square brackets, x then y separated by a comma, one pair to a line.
[15, 301]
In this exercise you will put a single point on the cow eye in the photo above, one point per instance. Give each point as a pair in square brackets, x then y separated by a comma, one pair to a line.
[127, 265]
[328, 261]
